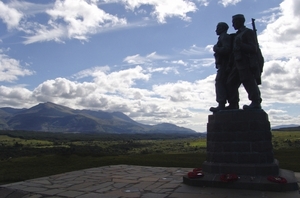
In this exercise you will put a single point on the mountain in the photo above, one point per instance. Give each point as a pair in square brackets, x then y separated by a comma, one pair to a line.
[57, 118]
[290, 127]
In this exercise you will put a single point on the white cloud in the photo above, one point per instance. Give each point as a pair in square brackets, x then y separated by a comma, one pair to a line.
[275, 111]
[196, 94]
[62, 88]
[281, 117]
[194, 50]
[280, 43]
[203, 2]
[82, 17]
[281, 81]
[226, 3]
[138, 59]
[10, 16]
[72, 19]
[91, 72]
[79, 19]
[196, 64]
[16, 97]
[120, 81]
[28, 8]
[44, 33]
[282, 32]
[163, 9]
[164, 70]
[10, 69]
[180, 62]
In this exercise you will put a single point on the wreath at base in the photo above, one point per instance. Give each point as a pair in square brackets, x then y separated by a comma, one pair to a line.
[277, 179]
[229, 177]
[196, 173]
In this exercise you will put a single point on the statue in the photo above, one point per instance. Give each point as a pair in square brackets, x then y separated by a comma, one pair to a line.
[245, 66]
[222, 53]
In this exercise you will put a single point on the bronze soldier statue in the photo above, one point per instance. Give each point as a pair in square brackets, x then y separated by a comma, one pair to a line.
[245, 66]
[222, 53]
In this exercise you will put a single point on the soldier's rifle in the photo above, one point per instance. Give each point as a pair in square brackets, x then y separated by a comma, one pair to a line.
[259, 54]
[255, 31]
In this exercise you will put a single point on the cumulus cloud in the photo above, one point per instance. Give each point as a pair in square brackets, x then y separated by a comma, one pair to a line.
[282, 32]
[281, 81]
[11, 69]
[196, 94]
[279, 42]
[17, 97]
[91, 95]
[62, 88]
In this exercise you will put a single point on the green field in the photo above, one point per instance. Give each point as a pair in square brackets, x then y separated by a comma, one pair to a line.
[286, 139]
[27, 155]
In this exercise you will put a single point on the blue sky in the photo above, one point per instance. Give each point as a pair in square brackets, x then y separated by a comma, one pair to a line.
[150, 59]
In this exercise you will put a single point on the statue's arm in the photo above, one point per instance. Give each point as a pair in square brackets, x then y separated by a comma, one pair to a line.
[248, 44]
[223, 49]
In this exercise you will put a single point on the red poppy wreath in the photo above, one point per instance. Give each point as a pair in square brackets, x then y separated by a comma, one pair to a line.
[277, 179]
[196, 173]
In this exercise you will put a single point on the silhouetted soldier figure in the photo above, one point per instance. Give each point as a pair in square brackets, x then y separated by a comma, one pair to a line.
[244, 70]
[222, 52]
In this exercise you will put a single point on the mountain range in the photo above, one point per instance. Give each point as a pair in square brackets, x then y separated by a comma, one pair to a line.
[289, 127]
[50, 117]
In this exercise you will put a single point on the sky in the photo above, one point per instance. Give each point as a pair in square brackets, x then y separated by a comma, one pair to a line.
[150, 59]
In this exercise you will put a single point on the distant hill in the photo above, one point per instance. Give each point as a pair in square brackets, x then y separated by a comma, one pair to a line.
[51, 117]
[290, 127]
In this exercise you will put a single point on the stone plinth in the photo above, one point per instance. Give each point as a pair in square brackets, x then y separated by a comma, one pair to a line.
[240, 142]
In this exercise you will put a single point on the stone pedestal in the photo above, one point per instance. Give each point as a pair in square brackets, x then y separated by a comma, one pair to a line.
[240, 142]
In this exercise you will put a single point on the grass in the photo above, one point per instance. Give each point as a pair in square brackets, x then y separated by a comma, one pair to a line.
[286, 139]
[10, 141]
[288, 159]
[25, 168]
[199, 143]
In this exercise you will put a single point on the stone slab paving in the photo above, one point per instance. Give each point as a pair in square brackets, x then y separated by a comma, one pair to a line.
[126, 181]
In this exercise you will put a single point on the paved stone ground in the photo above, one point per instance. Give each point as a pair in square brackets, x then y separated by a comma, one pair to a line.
[120, 181]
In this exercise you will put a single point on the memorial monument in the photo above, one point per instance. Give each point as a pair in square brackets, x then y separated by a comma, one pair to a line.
[239, 141]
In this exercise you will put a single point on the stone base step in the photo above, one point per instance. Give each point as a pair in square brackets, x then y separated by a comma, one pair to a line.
[246, 182]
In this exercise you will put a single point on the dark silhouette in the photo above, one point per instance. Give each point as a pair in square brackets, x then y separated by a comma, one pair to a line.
[245, 66]
[222, 53]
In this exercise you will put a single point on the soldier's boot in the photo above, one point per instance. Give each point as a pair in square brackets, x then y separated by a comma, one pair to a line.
[253, 105]
[220, 107]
